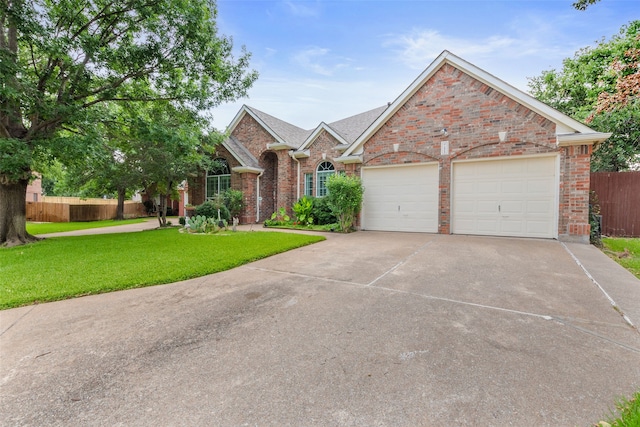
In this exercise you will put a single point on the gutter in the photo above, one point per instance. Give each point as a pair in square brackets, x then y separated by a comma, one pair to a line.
[292, 155]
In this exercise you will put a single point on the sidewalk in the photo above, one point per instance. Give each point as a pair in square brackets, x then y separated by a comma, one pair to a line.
[150, 224]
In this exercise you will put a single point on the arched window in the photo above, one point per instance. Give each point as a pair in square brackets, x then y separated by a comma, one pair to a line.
[218, 179]
[324, 171]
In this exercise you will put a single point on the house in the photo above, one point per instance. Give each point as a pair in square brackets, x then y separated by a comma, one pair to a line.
[459, 151]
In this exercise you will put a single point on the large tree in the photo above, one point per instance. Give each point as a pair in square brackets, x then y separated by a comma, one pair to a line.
[60, 59]
[600, 86]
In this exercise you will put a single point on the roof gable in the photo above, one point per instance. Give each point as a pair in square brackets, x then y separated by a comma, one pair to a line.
[282, 132]
[565, 125]
[346, 131]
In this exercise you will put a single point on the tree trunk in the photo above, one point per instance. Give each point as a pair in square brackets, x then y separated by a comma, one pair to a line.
[162, 210]
[120, 208]
[13, 208]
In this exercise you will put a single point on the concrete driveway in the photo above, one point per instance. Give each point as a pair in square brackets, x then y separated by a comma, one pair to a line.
[366, 329]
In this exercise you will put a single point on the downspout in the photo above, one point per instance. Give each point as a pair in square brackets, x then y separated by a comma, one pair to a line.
[298, 175]
[258, 196]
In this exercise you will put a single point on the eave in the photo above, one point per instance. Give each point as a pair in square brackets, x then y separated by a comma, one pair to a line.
[568, 139]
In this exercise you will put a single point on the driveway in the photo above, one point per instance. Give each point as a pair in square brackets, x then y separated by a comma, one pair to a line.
[366, 329]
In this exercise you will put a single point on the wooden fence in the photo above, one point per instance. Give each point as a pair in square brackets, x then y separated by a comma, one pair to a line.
[69, 212]
[619, 198]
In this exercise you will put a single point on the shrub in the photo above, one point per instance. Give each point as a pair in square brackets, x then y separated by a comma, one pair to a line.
[321, 212]
[279, 217]
[234, 201]
[345, 198]
[303, 210]
[209, 209]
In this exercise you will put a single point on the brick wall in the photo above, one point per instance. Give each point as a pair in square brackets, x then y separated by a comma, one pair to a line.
[326, 144]
[473, 115]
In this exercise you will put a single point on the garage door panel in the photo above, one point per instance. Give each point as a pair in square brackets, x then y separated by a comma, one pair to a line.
[401, 198]
[505, 197]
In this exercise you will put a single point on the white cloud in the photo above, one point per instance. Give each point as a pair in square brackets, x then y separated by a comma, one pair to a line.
[303, 9]
[318, 60]
[422, 46]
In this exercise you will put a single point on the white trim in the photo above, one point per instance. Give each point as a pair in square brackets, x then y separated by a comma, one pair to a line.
[314, 135]
[246, 110]
[280, 146]
[298, 154]
[247, 169]
[567, 139]
[349, 159]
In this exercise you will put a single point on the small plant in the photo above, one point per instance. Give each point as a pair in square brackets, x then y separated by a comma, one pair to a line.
[302, 210]
[345, 198]
[279, 217]
[629, 413]
[182, 221]
[202, 224]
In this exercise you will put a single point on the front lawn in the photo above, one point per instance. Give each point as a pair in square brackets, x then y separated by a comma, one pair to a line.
[625, 251]
[36, 228]
[65, 267]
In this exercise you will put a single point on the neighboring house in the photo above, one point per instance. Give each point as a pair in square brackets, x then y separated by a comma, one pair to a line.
[459, 151]
[34, 189]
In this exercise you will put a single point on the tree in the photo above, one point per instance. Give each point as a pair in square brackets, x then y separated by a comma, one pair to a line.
[600, 86]
[170, 148]
[345, 198]
[584, 4]
[60, 60]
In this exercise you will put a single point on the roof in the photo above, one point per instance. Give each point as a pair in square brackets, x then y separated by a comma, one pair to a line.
[565, 125]
[346, 131]
[240, 152]
[284, 132]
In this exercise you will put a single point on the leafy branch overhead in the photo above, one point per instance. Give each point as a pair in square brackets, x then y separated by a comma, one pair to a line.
[62, 62]
[600, 86]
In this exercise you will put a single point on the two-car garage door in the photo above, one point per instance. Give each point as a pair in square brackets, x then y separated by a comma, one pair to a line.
[502, 197]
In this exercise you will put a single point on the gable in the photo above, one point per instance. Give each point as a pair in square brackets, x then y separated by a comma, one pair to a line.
[566, 127]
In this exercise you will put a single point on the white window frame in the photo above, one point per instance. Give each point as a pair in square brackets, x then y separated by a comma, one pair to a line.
[308, 184]
[220, 181]
[323, 171]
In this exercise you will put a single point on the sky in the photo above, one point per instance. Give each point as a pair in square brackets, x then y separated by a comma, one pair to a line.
[322, 61]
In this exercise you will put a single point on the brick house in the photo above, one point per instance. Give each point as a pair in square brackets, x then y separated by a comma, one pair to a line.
[459, 151]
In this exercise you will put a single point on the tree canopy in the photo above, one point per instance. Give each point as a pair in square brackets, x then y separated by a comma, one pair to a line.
[600, 86]
[61, 60]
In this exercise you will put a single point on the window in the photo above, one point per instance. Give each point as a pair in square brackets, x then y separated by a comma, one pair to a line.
[308, 184]
[218, 179]
[325, 170]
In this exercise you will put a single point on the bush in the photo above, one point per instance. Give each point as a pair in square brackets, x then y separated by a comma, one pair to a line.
[321, 212]
[345, 198]
[209, 209]
[303, 210]
[234, 201]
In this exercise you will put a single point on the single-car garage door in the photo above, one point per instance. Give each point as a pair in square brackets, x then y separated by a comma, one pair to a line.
[506, 197]
[401, 198]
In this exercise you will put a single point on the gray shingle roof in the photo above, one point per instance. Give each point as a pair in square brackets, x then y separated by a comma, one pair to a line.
[240, 152]
[352, 127]
[289, 133]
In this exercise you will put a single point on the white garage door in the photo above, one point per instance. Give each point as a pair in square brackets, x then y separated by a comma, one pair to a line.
[514, 197]
[401, 198]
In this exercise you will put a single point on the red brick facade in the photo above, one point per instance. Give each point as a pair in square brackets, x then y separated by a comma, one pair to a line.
[474, 115]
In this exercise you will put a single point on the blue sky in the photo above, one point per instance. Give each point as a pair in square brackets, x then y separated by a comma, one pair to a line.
[327, 60]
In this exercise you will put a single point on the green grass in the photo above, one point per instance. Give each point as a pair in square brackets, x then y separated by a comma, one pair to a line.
[625, 252]
[36, 228]
[64, 267]
[629, 413]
